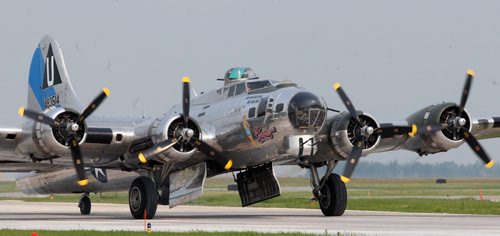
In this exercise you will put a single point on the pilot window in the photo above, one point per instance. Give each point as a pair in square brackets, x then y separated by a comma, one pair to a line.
[258, 85]
[240, 88]
[251, 112]
[231, 91]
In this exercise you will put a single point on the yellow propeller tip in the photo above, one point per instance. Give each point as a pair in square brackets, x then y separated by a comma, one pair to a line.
[490, 164]
[336, 86]
[414, 130]
[106, 91]
[142, 158]
[83, 182]
[228, 164]
[186, 79]
[21, 111]
[471, 72]
[345, 179]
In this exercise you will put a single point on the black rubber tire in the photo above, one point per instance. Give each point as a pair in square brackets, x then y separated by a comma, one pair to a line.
[143, 196]
[85, 205]
[165, 193]
[333, 199]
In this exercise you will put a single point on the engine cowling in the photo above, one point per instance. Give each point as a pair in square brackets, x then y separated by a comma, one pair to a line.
[54, 141]
[345, 133]
[446, 139]
[170, 127]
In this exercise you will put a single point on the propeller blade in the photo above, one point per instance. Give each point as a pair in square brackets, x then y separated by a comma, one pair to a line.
[156, 149]
[477, 148]
[465, 91]
[347, 102]
[76, 155]
[185, 99]
[37, 116]
[211, 152]
[351, 164]
[94, 104]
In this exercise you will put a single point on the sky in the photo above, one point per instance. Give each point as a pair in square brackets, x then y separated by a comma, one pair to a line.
[392, 57]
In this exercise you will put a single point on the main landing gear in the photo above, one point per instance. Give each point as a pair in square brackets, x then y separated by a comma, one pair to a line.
[143, 198]
[330, 192]
[85, 204]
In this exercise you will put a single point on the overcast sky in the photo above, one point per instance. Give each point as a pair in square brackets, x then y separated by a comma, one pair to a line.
[392, 57]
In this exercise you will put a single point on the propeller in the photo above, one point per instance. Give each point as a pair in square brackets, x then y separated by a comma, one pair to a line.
[458, 124]
[185, 135]
[366, 131]
[71, 129]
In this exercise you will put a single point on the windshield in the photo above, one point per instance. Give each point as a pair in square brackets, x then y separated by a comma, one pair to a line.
[258, 85]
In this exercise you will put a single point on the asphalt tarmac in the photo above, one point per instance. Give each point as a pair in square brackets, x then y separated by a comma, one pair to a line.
[66, 216]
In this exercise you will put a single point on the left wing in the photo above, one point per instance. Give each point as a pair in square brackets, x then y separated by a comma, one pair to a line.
[433, 129]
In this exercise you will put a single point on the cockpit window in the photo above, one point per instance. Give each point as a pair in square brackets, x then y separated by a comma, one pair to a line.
[240, 88]
[231, 91]
[258, 85]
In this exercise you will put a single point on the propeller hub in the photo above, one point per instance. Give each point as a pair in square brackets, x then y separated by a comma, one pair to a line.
[187, 133]
[367, 131]
[73, 127]
[461, 122]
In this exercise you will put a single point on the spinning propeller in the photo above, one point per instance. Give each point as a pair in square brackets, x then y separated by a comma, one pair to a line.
[186, 136]
[71, 129]
[366, 131]
[455, 125]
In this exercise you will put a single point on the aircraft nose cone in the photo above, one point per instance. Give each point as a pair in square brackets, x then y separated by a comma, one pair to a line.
[305, 110]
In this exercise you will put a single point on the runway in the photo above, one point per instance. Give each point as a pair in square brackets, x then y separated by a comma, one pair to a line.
[65, 216]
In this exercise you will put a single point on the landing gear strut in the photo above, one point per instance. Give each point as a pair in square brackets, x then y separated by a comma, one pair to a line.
[85, 204]
[143, 198]
[330, 192]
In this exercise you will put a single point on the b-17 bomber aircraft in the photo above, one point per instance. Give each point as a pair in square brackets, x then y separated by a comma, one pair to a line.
[247, 126]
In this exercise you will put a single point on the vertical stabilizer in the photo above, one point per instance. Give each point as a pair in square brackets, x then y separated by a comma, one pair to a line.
[49, 84]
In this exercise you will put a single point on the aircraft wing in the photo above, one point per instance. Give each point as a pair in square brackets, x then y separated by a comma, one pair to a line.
[486, 128]
[11, 166]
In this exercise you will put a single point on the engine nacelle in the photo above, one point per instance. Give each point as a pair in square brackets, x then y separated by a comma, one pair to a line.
[440, 141]
[345, 133]
[170, 127]
[55, 141]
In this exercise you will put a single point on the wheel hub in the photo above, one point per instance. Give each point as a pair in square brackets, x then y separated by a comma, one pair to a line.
[135, 198]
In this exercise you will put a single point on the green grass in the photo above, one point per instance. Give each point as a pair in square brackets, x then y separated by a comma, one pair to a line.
[7, 186]
[453, 206]
[365, 188]
[8, 232]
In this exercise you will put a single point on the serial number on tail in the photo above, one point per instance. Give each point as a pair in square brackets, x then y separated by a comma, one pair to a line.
[51, 101]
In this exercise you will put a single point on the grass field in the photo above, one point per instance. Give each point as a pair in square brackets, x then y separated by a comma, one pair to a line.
[367, 194]
[7, 186]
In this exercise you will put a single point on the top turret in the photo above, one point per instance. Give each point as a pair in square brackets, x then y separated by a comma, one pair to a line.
[238, 74]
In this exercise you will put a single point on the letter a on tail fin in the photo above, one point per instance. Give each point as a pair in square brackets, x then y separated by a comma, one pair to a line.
[49, 84]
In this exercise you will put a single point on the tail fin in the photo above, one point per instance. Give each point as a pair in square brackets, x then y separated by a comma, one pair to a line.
[49, 84]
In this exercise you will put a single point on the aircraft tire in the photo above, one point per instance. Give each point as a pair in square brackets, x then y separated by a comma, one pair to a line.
[143, 198]
[165, 193]
[333, 199]
[85, 205]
